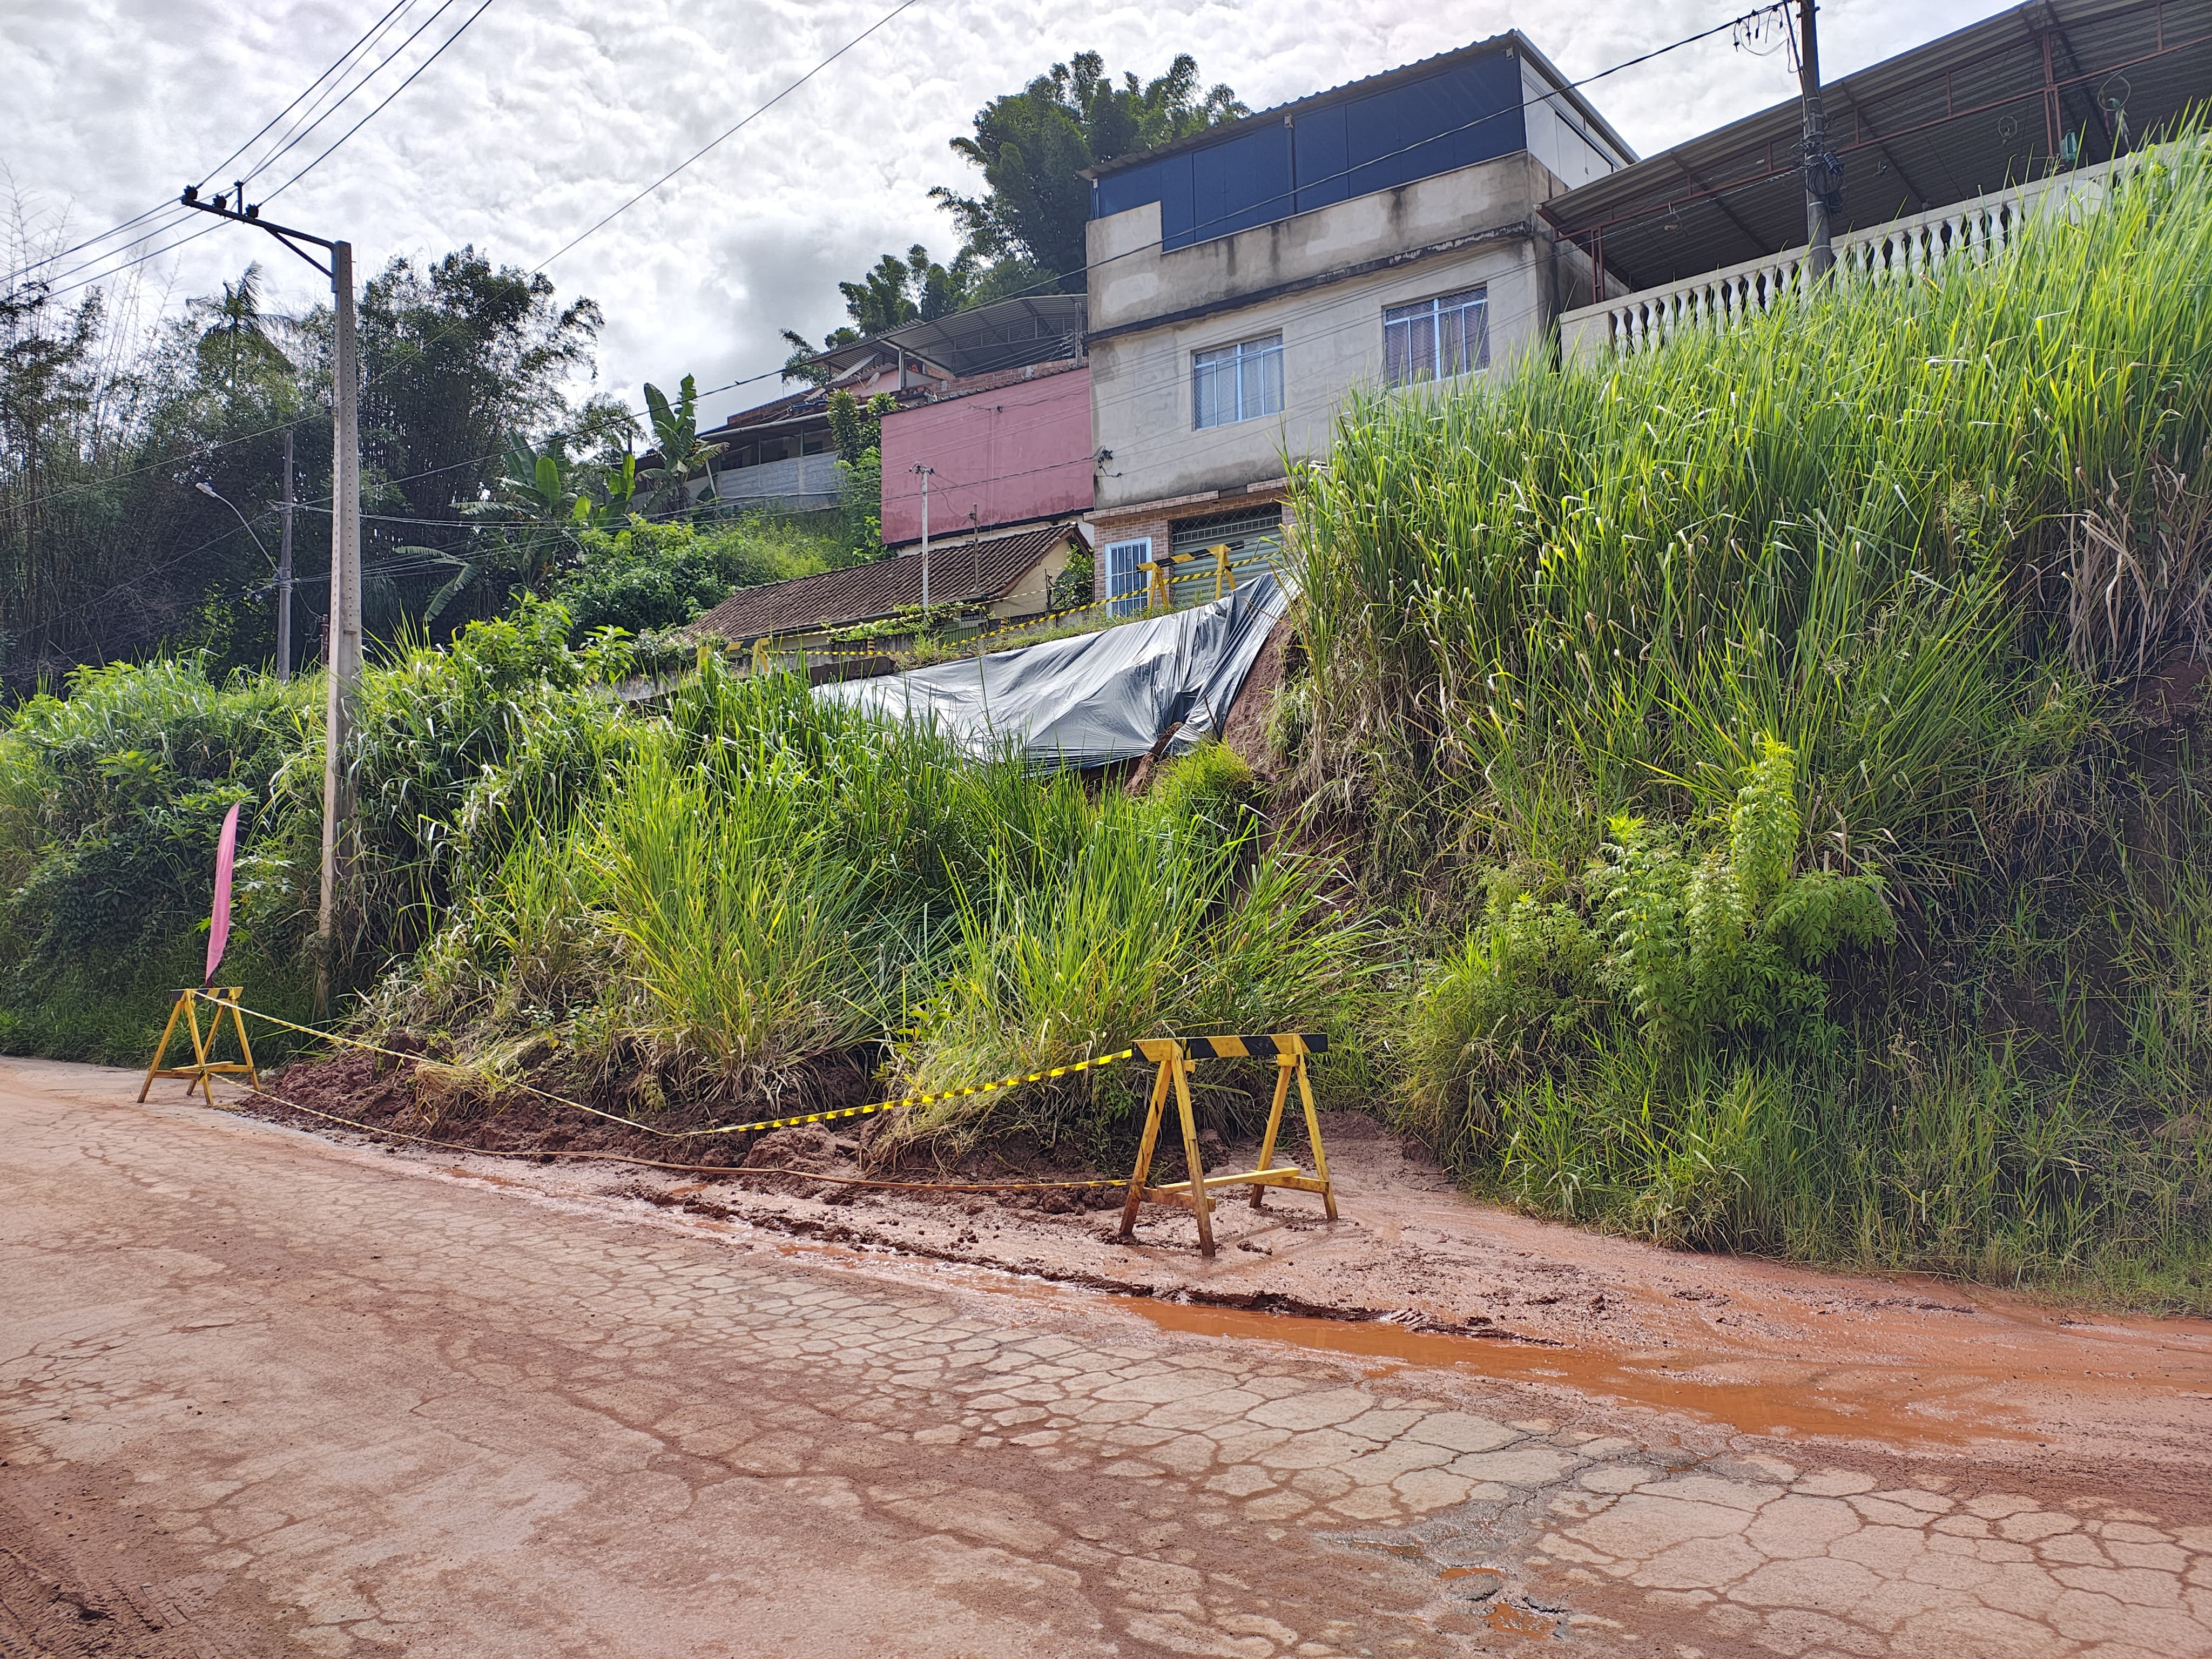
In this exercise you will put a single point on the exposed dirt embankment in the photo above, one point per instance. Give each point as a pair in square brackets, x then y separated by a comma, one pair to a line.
[1412, 1272]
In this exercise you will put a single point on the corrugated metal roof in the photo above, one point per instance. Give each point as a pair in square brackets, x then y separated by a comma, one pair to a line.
[1958, 117]
[1403, 75]
[1029, 328]
[965, 572]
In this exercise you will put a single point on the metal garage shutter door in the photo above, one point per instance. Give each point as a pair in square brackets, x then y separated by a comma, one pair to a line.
[1255, 540]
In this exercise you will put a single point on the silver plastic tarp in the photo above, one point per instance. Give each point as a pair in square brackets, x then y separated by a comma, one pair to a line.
[1096, 697]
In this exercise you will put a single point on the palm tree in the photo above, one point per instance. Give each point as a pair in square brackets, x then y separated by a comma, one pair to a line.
[237, 340]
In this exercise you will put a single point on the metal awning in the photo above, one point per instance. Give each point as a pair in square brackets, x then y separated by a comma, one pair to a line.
[1031, 328]
[1996, 103]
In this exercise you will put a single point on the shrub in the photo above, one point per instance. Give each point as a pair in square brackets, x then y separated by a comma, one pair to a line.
[651, 576]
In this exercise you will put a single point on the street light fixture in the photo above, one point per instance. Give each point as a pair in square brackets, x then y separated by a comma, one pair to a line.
[282, 567]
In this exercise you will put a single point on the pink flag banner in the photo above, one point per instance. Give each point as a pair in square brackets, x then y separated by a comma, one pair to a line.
[226, 855]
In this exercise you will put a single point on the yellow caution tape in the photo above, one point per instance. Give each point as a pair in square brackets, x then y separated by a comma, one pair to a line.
[1095, 1064]
[920, 1100]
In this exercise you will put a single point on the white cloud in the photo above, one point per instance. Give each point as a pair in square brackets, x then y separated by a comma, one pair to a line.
[545, 116]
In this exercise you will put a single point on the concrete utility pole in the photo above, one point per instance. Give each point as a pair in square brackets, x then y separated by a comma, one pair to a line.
[343, 653]
[927, 472]
[284, 576]
[1823, 174]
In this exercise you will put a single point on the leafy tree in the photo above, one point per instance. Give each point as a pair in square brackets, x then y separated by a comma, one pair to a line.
[535, 515]
[1032, 145]
[459, 358]
[237, 346]
[895, 291]
[107, 548]
[644, 577]
[857, 431]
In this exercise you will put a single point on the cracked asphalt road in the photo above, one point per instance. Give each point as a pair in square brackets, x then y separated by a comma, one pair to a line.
[262, 1394]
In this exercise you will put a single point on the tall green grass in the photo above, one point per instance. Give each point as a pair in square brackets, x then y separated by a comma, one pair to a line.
[1928, 536]
[765, 891]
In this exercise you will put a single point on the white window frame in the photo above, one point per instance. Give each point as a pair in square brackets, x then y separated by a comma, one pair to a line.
[1251, 370]
[1431, 340]
[1125, 583]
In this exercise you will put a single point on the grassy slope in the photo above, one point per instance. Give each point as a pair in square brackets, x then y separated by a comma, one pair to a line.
[1884, 529]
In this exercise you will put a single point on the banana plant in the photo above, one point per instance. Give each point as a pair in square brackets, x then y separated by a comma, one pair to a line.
[682, 457]
[535, 516]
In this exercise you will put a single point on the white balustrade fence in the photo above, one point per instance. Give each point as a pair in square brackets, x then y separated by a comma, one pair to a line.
[1903, 250]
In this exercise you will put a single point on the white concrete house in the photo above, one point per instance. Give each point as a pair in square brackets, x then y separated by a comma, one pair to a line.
[1245, 280]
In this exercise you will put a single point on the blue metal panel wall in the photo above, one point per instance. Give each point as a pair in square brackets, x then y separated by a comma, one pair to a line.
[1467, 113]
[1241, 183]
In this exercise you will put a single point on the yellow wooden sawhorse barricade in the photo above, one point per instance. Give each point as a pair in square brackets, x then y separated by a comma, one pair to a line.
[1173, 1056]
[222, 1001]
[1160, 591]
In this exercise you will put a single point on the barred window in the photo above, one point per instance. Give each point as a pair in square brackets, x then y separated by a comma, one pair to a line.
[1125, 583]
[1436, 339]
[1240, 382]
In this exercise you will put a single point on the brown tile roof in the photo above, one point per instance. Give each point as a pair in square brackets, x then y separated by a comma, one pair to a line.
[962, 572]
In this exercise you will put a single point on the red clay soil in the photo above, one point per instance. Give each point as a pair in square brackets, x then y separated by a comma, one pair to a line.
[1413, 1273]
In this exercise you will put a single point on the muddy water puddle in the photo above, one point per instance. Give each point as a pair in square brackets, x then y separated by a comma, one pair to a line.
[1799, 1355]
[1900, 1409]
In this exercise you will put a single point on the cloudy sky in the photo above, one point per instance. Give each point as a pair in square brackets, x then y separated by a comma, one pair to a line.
[546, 114]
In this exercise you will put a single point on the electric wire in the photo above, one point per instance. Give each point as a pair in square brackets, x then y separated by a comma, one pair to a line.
[1042, 283]
[388, 97]
[564, 248]
[726, 133]
[376, 30]
[184, 214]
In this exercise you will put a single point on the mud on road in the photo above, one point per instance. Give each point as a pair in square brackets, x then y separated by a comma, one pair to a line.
[266, 1392]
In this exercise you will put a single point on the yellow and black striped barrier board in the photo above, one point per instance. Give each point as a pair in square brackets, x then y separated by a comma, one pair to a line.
[1282, 1045]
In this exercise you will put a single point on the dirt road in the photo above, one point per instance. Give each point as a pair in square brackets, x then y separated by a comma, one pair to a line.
[261, 1393]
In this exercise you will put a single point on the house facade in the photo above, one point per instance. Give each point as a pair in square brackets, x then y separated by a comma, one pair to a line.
[1001, 420]
[1246, 281]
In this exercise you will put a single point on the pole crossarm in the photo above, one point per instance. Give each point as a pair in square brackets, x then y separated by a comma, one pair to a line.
[251, 215]
[1175, 1057]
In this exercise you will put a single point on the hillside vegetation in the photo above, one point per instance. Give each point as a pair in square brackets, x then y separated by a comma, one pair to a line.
[1842, 641]
[1745, 795]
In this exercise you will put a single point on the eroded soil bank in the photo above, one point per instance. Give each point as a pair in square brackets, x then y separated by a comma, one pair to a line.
[1413, 1273]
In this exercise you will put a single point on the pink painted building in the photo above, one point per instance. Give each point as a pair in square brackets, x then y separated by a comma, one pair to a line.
[1008, 447]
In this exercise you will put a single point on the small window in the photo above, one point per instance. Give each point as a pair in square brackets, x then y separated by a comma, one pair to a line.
[1125, 583]
[1238, 383]
[1436, 339]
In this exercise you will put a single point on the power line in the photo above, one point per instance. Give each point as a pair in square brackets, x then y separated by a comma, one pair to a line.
[727, 133]
[1042, 283]
[56, 293]
[370, 36]
[564, 248]
[388, 97]
[374, 31]
[1055, 281]
[76, 247]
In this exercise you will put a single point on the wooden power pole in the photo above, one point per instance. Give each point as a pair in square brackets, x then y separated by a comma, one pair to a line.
[1823, 174]
[343, 657]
